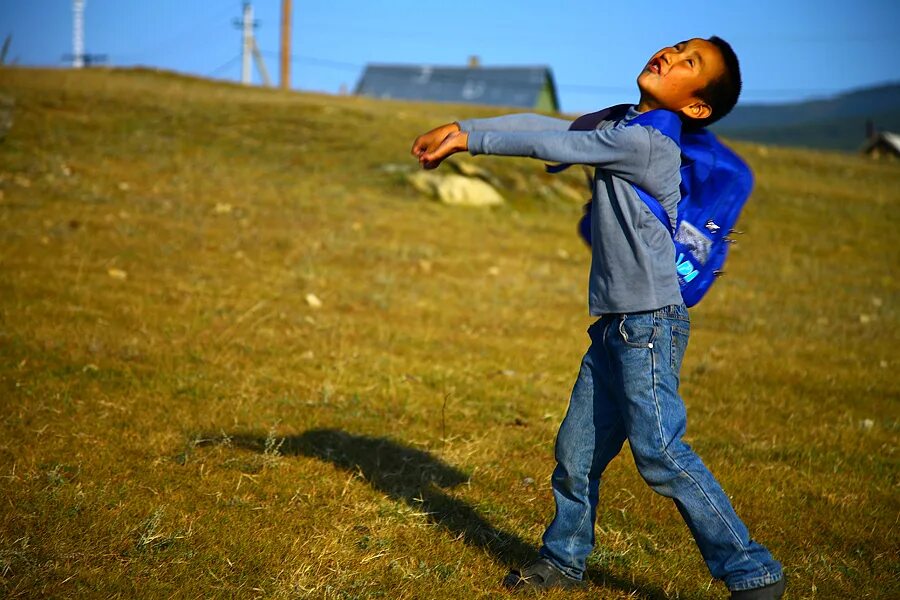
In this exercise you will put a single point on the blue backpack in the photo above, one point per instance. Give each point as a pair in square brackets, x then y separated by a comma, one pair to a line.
[715, 185]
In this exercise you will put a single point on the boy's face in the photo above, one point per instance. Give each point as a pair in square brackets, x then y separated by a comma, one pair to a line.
[674, 75]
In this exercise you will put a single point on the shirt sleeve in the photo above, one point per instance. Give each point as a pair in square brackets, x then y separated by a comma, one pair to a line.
[624, 151]
[515, 122]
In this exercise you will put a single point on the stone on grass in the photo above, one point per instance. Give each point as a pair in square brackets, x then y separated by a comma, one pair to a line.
[424, 181]
[462, 191]
[472, 170]
[455, 189]
[313, 301]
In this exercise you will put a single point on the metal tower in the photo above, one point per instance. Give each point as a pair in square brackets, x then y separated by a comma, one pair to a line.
[78, 34]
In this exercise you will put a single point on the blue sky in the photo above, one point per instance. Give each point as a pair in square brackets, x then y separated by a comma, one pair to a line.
[790, 50]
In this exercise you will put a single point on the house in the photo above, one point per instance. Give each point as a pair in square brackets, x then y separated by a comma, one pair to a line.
[882, 144]
[524, 87]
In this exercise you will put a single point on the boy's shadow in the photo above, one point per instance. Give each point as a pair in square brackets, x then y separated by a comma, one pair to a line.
[415, 477]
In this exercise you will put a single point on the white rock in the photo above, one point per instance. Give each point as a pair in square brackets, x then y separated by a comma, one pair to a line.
[472, 170]
[425, 181]
[462, 191]
[313, 301]
[455, 189]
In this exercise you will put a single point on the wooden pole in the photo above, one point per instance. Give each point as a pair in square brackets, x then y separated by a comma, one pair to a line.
[286, 44]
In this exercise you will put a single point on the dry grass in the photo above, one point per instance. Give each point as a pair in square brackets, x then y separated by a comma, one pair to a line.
[178, 421]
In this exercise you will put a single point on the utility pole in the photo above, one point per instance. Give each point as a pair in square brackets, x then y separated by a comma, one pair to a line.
[286, 44]
[78, 34]
[247, 47]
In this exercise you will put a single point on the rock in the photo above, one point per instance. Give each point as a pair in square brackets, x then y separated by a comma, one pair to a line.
[462, 191]
[117, 274]
[313, 301]
[424, 181]
[472, 170]
[455, 189]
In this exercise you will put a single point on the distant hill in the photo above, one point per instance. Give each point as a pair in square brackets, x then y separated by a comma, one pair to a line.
[837, 123]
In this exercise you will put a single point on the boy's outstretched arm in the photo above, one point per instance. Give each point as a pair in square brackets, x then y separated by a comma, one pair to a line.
[429, 141]
[624, 151]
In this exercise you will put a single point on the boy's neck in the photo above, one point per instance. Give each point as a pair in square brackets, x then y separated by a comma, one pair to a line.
[645, 104]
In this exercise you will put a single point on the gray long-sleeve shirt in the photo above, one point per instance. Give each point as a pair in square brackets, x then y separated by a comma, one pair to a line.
[633, 257]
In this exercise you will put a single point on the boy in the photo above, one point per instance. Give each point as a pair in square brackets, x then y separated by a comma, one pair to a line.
[628, 383]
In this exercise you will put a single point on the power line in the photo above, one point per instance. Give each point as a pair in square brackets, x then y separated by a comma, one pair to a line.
[224, 66]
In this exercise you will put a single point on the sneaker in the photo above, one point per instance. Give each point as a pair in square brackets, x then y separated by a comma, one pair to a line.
[540, 575]
[773, 591]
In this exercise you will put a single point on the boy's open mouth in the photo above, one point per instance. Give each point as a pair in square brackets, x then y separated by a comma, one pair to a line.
[653, 66]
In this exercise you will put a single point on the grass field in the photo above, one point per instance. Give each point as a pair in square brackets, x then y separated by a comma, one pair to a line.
[179, 421]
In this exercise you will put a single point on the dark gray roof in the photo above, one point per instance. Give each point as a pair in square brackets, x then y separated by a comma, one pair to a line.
[504, 86]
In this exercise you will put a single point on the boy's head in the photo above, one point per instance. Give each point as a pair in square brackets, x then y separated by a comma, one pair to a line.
[698, 79]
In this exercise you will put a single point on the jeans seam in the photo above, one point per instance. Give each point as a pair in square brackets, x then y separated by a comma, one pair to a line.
[569, 546]
[706, 497]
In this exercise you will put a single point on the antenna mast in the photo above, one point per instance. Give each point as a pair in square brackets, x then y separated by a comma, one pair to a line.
[247, 47]
[78, 34]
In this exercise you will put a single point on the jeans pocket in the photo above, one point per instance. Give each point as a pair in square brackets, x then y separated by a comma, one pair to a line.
[638, 332]
[680, 336]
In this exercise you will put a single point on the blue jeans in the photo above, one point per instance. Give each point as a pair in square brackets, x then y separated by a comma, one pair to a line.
[628, 388]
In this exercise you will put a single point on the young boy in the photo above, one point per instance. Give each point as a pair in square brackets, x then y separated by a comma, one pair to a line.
[628, 383]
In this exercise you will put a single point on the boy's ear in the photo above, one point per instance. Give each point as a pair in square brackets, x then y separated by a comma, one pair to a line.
[697, 110]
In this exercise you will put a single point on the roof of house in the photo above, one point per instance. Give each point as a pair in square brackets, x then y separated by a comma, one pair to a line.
[889, 138]
[504, 86]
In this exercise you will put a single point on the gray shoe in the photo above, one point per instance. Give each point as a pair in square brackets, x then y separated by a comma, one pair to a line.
[540, 575]
[773, 591]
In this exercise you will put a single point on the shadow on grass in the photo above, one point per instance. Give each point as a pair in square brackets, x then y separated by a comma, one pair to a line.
[415, 477]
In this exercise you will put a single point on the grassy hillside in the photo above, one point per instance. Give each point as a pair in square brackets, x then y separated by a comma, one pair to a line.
[178, 421]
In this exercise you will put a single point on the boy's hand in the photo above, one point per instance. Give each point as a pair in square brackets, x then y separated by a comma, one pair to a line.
[453, 143]
[428, 143]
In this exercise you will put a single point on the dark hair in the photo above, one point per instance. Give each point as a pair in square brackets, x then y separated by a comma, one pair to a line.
[722, 93]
